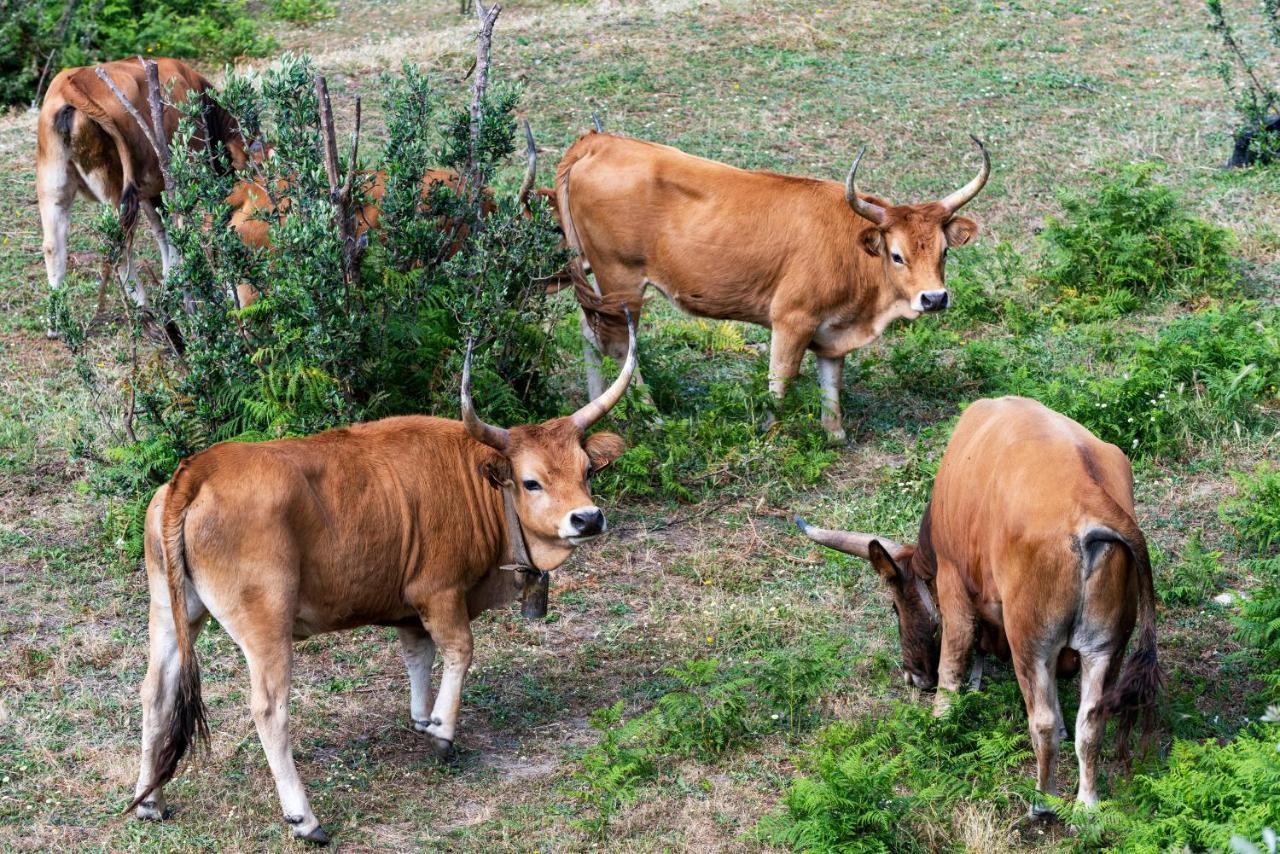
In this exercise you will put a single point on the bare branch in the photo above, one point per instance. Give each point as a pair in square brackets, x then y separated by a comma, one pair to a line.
[340, 193]
[129, 107]
[484, 41]
[160, 140]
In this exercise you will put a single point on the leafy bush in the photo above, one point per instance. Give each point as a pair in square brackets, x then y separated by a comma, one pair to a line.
[1125, 237]
[315, 351]
[38, 37]
[711, 432]
[1201, 374]
[712, 709]
[1206, 794]
[1254, 512]
[871, 785]
[302, 11]
[1192, 578]
[1258, 624]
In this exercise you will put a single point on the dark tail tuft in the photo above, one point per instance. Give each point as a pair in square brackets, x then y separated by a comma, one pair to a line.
[129, 208]
[63, 121]
[186, 725]
[1141, 682]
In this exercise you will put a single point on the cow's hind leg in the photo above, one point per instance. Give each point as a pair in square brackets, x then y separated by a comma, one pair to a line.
[161, 686]
[1094, 670]
[268, 650]
[56, 187]
[1040, 693]
[830, 378]
[419, 652]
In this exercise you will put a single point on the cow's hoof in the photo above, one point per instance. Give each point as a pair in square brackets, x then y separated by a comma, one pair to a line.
[441, 747]
[422, 726]
[837, 437]
[150, 810]
[52, 334]
[1041, 812]
[315, 837]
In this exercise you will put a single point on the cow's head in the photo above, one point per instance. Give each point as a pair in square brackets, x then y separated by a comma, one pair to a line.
[911, 241]
[903, 570]
[548, 468]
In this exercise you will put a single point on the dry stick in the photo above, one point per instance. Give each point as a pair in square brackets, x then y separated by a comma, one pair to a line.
[160, 140]
[484, 41]
[341, 208]
[129, 107]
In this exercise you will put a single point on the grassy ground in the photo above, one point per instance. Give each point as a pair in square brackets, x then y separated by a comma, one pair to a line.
[1056, 89]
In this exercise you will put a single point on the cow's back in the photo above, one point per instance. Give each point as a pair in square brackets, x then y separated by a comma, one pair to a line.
[358, 513]
[1016, 482]
[716, 239]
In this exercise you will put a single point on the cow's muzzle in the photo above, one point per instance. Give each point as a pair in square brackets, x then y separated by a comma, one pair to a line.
[583, 524]
[931, 301]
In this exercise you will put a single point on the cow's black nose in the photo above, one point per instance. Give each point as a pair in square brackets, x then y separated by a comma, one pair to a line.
[933, 300]
[587, 522]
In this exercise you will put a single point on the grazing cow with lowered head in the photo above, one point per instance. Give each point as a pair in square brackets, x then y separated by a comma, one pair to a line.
[87, 143]
[406, 522]
[823, 266]
[1029, 537]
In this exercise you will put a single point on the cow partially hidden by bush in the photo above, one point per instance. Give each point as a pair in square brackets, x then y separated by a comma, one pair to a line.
[1030, 533]
[406, 522]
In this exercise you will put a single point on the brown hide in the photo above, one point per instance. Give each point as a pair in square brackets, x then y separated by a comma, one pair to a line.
[106, 146]
[728, 243]
[1030, 546]
[252, 206]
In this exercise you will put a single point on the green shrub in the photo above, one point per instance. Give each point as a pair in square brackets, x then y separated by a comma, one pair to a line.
[1201, 375]
[1207, 793]
[302, 11]
[1254, 511]
[1124, 237]
[36, 40]
[1255, 93]
[316, 351]
[712, 708]
[874, 784]
[1191, 579]
[1258, 623]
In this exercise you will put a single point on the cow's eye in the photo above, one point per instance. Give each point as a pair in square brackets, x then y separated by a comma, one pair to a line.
[531, 486]
[897, 259]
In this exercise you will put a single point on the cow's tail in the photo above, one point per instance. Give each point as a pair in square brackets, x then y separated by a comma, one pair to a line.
[1142, 680]
[78, 100]
[608, 308]
[187, 721]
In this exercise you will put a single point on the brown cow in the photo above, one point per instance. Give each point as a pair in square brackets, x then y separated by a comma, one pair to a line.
[823, 266]
[252, 206]
[1030, 536]
[405, 522]
[87, 143]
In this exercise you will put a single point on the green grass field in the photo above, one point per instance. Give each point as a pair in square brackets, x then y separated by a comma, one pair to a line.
[1062, 92]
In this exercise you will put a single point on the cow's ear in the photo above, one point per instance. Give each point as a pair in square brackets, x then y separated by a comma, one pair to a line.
[872, 241]
[603, 448]
[885, 564]
[496, 469]
[960, 230]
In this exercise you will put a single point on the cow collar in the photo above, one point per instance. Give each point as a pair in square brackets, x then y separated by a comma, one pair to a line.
[516, 545]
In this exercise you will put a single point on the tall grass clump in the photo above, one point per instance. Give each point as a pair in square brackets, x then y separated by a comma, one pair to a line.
[877, 783]
[1124, 239]
[327, 343]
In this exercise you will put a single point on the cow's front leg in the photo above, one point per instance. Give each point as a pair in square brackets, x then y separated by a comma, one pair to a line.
[450, 627]
[830, 378]
[786, 349]
[419, 652]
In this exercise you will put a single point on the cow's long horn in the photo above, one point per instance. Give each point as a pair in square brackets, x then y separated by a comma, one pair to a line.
[598, 408]
[863, 208]
[531, 170]
[495, 437]
[965, 194]
[858, 545]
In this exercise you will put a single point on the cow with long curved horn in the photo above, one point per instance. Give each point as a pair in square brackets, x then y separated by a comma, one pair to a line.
[827, 268]
[413, 522]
